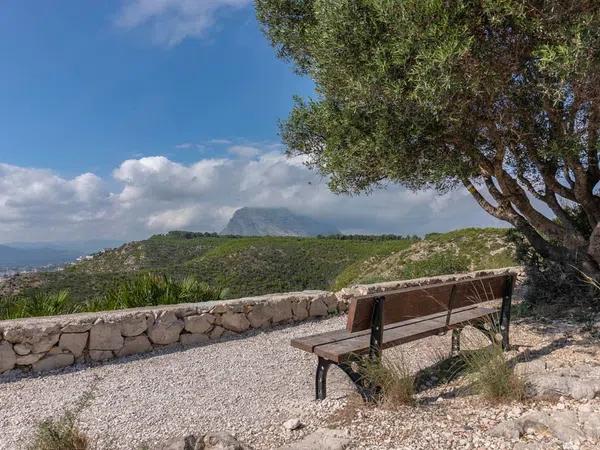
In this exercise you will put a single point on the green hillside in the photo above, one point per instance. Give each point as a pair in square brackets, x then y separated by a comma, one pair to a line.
[258, 265]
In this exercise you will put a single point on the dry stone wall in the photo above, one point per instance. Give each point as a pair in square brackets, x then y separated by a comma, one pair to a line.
[48, 343]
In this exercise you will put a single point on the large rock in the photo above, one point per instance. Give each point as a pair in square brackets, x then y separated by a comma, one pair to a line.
[77, 327]
[45, 343]
[27, 360]
[300, 309]
[134, 326]
[322, 439]
[260, 316]
[190, 339]
[30, 333]
[106, 336]
[331, 303]
[166, 329]
[236, 322]
[8, 357]
[555, 384]
[73, 342]
[217, 332]
[133, 345]
[222, 441]
[101, 355]
[202, 323]
[180, 443]
[53, 362]
[318, 308]
[563, 425]
[281, 310]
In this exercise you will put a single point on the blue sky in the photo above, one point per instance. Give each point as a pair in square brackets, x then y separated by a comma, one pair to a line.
[120, 119]
[82, 93]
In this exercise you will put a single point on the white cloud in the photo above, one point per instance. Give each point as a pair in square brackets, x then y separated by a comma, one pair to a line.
[155, 194]
[172, 21]
[244, 151]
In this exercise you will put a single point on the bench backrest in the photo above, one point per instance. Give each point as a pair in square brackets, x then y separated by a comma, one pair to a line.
[412, 302]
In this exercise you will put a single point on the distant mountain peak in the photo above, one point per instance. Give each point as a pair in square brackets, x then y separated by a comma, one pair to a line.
[249, 221]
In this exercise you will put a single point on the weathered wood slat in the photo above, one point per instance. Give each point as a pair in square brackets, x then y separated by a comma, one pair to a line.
[308, 343]
[399, 333]
[411, 302]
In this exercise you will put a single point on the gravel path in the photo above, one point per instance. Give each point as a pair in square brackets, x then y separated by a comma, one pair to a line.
[244, 386]
[249, 387]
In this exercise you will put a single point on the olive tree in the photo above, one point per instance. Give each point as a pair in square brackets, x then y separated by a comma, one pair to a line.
[499, 96]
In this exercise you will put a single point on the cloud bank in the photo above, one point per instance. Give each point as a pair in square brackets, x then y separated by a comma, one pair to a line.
[172, 21]
[156, 195]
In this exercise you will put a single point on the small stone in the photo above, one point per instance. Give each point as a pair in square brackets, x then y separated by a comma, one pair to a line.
[292, 424]
[322, 439]
[221, 441]
[22, 349]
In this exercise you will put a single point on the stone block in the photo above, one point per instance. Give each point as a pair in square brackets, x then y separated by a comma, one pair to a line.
[101, 355]
[133, 345]
[44, 343]
[190, 339]
[134, 326]
[166, 329]
[236, 322]
[202, 323]
[8, 357]
[106, 336]
[53, 362]
[318, 308]
[300, 309]
[73, 342]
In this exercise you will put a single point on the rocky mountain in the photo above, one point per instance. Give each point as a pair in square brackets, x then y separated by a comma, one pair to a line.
[275, 222]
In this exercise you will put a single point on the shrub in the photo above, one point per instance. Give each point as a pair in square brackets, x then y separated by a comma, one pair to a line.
[551, 288]
[437, 264]
[393, 376]
[39, 304]
[60, 434]
[491, 375]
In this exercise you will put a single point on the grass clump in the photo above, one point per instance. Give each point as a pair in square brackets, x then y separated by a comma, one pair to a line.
[492, 376]
[393, 377]
[60, 434]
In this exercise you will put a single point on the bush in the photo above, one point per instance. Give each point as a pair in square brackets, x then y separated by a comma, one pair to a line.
[437, 264]
[551, 288]
[60, 434]
[491, 375]
[393, 376]
[144, 290]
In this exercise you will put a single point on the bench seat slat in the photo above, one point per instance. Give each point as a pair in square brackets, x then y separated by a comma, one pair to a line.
[308, 343]
[399, 333]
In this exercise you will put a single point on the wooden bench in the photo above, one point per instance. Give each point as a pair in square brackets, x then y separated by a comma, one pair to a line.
[384, 320]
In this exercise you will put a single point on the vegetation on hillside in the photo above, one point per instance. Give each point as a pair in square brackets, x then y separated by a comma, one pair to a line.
[158, 270]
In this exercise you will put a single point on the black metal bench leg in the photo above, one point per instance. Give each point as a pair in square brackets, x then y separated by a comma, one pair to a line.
[321, 378]
[368, 392]
[455, 341]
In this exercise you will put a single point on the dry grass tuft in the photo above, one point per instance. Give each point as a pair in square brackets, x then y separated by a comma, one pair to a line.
[394, 378]
[60, 434]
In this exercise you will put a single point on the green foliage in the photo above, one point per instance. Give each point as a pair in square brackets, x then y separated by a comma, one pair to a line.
[492, 376]
[437, 264]
[394, 378]
[143, 290]
[60, 434]
[188, 267]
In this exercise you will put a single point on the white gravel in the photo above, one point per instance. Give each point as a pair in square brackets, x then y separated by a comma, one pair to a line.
[244, 386]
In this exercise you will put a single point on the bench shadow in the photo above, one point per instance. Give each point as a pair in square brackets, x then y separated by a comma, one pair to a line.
[16, 375]
[454, 367]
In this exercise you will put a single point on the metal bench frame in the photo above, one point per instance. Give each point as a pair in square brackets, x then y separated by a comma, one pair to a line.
[369, 392]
